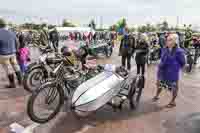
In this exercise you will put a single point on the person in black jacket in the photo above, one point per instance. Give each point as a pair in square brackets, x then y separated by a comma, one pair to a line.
[126, 50]
[54, 38]
[141, 50]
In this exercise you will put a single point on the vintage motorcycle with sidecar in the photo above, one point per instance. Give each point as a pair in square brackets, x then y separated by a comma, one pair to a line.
[91, 95]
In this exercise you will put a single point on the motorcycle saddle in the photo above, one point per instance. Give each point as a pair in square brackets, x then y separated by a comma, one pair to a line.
[53, 60]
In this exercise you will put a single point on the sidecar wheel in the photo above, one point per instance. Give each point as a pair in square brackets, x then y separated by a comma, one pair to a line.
[135, 92]
[131, 98]
[138, 96]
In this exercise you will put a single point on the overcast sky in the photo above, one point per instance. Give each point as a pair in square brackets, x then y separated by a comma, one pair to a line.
[81, 11]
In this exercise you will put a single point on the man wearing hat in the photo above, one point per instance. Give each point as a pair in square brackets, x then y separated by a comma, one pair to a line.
[44, 35]
[8, 49]
[54, 38]
[126, 49]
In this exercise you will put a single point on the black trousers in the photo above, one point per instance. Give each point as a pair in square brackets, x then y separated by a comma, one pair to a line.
[126, 60]
[141, 67]
[55, 45]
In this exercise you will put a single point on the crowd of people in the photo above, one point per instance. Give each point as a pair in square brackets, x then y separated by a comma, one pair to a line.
[172, 59]
[14, 53]
[45, 36]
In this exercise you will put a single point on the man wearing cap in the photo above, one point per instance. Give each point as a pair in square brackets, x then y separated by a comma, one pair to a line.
[44, 36]
[8, 49]
[54, 38]
[126, 49]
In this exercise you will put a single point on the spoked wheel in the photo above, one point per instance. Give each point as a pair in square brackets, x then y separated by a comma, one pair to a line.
[135, 93]
[45, 103]
[135, 97]
[33, 79]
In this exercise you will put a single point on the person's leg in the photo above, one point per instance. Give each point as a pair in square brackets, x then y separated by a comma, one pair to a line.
[138, 69]
[172, 103]
[83, 62]
[57, 45]
[159, 90]
[143, 68]
[23, 67]
[54, 45]
[129, 62]
[16, 67]
[8, 69]
[195, 56]
[124, 61]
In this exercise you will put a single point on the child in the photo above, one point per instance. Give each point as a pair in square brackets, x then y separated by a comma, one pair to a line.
[23, 58]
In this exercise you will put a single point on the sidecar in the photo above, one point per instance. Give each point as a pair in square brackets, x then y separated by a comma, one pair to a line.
[102, 90]
[96, 92]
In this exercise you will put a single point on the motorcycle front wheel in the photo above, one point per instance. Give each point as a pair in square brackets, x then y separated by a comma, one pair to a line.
[46, 109]
[33, 78]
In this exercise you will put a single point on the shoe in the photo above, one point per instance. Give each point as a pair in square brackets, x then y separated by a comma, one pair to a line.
[12, 81]
[19, 77]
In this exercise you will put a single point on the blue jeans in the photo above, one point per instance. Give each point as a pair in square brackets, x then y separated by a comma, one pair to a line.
[23, 67]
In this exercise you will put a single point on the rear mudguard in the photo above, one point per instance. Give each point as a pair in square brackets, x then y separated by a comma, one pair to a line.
[32, 65]
[40, 66]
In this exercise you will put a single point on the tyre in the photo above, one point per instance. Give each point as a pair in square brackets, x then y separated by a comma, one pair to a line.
[131, 96]
[138, 96]
[53, 93]
[31, 66]
[33, 78]
[135, 93]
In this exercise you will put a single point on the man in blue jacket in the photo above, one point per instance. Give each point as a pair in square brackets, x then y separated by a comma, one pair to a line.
[126, 49]
[8, 50]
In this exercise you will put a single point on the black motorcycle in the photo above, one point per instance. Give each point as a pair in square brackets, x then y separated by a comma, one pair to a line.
[39, 71]
[63, 82]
